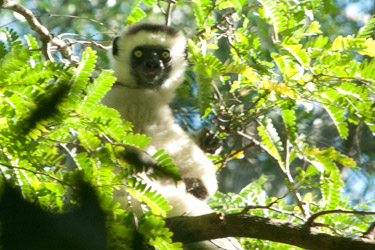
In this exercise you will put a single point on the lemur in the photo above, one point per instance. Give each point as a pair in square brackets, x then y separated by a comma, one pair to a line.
[149, 62]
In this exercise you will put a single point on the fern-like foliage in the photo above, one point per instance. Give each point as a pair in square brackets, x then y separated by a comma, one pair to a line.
[268, 77]
[366, 31]
[136, 13]
[97, 90]
[290, 127]
[166, 165]
[153, 228]
[53, 127]
[81, 75]
[273, 15]
[330, 178]
[144, 193]
[13, 61]
[202, 12]
[204, 88]
[270, 139]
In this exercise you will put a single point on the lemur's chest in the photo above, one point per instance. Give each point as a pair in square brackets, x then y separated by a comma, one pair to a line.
[147, 118]
[147, 111]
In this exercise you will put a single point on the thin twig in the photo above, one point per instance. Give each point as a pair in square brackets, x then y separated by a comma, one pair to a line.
[270, 207]
[287, 175]
[74, 17]
[45, 36]
[35, 172]
[368, 82]
[218, 23]
[329, 227]
[287, 171]
[224, 17]
[71, 155]
[59, 141]
[161, 8]
[168, 13]
[231, 155]
[313, 217]
[87, 43]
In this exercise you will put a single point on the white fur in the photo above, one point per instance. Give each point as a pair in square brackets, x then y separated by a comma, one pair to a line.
[149, 112]
[127, 43]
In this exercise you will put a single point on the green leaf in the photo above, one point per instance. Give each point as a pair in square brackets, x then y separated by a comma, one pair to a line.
[12, 38]
[289, 118]
[339, 119]
[270, 139]
[203, 74]
[97, 90]
[144, 193]
[136, 14]
[331, 189]
[273, 14]
[166, 166]
[13, 62]
[3, 50]
[298, 54]
[367, 30]
[198, 12]
[89, 141]
[150, 2]
[214, 63]
[81, 76]
[328, 6]
[331, 184]
[159, 236]
[139, 140]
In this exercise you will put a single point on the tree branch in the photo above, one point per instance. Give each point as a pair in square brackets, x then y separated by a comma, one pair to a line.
[210, 226]
[369, 234]
[45, 36]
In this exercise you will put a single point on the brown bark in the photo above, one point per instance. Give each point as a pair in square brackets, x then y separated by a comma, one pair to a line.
[210, 226]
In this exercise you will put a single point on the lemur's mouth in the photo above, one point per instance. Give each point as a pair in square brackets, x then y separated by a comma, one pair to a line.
[151, 79]
[151, 73]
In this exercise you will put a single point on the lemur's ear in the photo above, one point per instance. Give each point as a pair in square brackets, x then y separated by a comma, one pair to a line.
[115, 48]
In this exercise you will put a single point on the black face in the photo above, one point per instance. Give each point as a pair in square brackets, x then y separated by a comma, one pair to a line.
[150, 65]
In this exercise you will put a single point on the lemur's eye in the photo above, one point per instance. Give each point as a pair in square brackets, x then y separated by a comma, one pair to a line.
[138, 53]
[165, 54]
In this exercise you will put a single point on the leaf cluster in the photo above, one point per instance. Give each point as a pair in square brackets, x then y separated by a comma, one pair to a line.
[262, 71]
[273, 84]
[53, 127]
